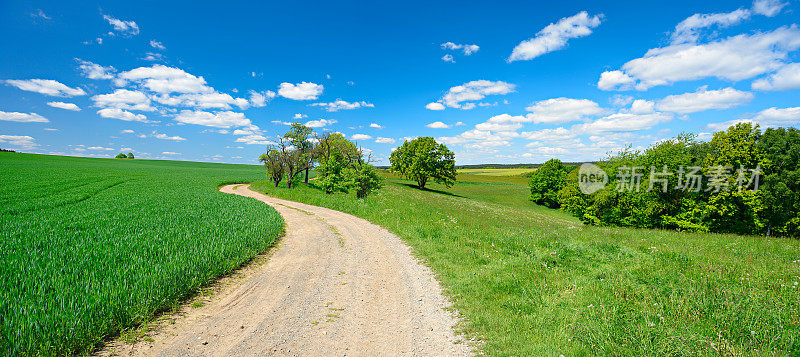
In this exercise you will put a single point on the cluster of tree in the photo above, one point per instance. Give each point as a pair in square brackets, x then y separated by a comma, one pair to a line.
[6, 150]
[123, 156]
[340, 165]
[422, 159]
[710, 202]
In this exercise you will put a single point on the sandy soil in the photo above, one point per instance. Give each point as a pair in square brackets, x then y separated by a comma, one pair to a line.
[336, 285]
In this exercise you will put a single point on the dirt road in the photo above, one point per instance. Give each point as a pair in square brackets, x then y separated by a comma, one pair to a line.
[335, 285]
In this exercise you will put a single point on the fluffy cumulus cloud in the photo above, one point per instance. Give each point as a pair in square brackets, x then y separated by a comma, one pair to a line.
[689, 30]
[22, 117]
[438, 125]
[465, 95]
[434, 106]
[376, 126]
[467, 49]
[167, 137]
[623, 122]
[259, 99]
[704, 99]
[735, 58]
[786, 78]
[22, 141]
[772, 117]
[382, 140]
[124, 99]
[95, 71]
[343, 105]
[254, 139]
[300, 91]
[448, 58]
[555, 36]
[46, 87]
[320, 123]
[361, 137]
[67, 106]
[224, 119]
[116, 113]
[165, 80]
[121, 26]
[562, 110]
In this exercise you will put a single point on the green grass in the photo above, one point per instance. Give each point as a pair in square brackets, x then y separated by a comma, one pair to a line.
[91, 247]
[534, 281]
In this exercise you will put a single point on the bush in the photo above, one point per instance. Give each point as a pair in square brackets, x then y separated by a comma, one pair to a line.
[547, 181]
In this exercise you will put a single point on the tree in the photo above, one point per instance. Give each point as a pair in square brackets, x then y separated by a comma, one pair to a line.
[780, 185]
[364, 179]
[130, 155]
[422, 159]
[300, 137]
[546, 181]
[293, 160]
[274, 164]
[121, 156]
[331, 171]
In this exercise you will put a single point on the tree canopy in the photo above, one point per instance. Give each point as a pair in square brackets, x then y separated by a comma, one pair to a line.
[422, 159]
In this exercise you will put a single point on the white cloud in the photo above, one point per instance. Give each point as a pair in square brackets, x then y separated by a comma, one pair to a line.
[167, 137]
[99, 148]
[610, 80]
[434, 106]
[704, 100]
[343, 105]
[777, 117]
[555, 36]
[300, 91]
[22, 141]
[688, 30]
[361, 137]
[641, 106]
[786, 78]
[320, 123]
[498, 125]
[116, 113]
[382, 140]
[768, 8]
[170, 153]
[226, 119]
[562, 110]
[438, 125]
[254, 140]
[259, 99]
[470, 92]
[548, 135]
[735, 58]
[448, 58]
[126, 27]
[95, 71]
[153, 57]
[157, 45]
[165, 80]
[123, 99]
[467, 49]
[62, 105]
[622, 122]
[22, 117]
[46, 87]
[376, 126]
[298, 116]
[126, 131]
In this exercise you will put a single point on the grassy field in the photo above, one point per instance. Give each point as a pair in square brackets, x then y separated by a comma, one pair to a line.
[89, 247]
[533, 281]
[496, 172]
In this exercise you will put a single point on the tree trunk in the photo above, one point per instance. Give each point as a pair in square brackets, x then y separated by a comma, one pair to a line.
[306, 174]
[421, 182]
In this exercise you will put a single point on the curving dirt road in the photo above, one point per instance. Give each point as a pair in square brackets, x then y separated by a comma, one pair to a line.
[335, 285]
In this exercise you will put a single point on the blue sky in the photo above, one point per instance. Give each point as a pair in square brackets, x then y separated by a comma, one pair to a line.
[504, 82]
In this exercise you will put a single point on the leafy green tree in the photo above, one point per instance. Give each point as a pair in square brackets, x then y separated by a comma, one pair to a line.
[331, 173]
[546, 181]
[300, 138]
[422, 159]
[364, 179]
[780, 185]
[130, 156]
[274, 164]
[121, 156]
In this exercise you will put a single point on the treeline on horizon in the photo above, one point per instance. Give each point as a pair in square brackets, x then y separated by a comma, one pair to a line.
[773, 209]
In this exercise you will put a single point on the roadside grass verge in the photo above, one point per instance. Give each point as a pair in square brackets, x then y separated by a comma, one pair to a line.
[535, 281]
[92, 247]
